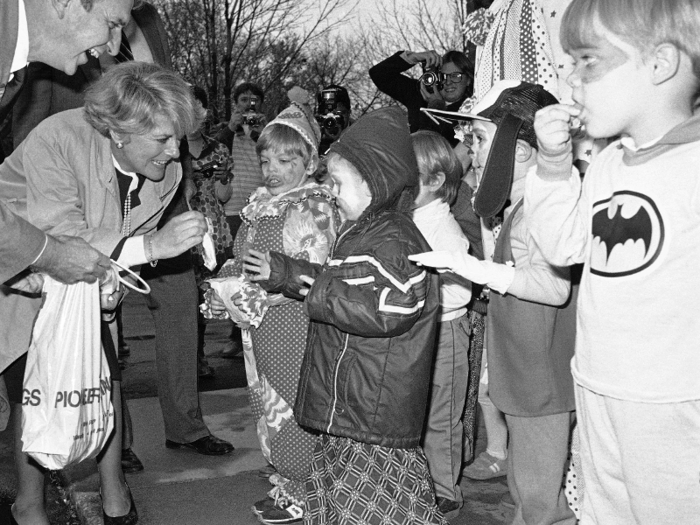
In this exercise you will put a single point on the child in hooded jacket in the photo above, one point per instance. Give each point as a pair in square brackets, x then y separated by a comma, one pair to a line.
[366, 372]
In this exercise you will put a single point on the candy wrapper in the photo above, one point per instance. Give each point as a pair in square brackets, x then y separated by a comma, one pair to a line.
[253, 298]
[208, 249]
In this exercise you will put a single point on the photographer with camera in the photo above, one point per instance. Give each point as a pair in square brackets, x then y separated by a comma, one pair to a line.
[332, 114]
[240, 136]
[445, 83]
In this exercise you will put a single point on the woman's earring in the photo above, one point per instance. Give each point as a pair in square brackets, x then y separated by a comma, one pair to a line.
[120, 145]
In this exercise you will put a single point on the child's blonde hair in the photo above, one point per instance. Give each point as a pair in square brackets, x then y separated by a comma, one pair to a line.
[435, 155]
[286, 140]
[643, 24]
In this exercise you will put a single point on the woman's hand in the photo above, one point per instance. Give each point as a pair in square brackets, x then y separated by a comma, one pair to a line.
[178, 235]
[257, 264]
[236, 119]
[112, 293]
[429, 58]
[434, 99]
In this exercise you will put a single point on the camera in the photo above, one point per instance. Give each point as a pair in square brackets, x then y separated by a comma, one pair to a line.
[432, 78]
[251, 118]
[213, 168]
[329, 116]
[210, 167]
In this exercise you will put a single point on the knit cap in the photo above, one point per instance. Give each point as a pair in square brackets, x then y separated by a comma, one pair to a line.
[300, 119]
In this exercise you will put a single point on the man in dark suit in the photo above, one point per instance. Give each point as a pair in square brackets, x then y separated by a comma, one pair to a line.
[173, 299]
[61, 33]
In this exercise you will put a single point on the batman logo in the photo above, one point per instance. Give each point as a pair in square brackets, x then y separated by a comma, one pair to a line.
[628, 234]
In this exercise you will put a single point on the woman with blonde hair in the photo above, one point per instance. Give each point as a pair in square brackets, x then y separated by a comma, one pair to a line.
[104, 173]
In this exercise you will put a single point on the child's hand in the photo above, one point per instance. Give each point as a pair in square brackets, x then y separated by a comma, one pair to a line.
[214, 302]
[309, 281]
[553, 125]
[257, 264]
[496, 276]
[442, 261]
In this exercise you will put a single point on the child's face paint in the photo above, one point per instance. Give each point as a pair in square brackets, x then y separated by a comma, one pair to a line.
[609, 81]
[351, 192]
[593, 63]
[282, 171]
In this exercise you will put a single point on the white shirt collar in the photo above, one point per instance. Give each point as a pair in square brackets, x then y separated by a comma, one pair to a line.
[20, 59]
[433, 211]
[629, 143]
[134, 178]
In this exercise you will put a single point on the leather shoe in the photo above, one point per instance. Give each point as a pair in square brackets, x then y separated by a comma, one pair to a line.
[231, 350]
[13, 521]
[130, 462]
[130, 518]
[208, 445]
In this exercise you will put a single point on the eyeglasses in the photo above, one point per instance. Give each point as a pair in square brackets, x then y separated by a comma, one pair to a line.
[455, 77]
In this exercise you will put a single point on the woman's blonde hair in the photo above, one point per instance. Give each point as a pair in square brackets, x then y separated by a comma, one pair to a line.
[130, 96]
[435, 155]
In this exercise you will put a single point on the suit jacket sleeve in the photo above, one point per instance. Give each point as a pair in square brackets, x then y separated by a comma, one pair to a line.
[20, 243]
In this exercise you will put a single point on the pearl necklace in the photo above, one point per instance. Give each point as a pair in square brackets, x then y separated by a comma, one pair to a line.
[126, 223]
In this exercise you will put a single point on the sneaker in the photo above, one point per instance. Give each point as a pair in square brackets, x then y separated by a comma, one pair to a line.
[261, 506]
[204, 370]
[485, 466]
[449, 508]
[282, 512]
[267, 471]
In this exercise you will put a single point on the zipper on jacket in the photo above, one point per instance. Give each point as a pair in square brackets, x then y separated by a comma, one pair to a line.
[331, 253]
[335, 382]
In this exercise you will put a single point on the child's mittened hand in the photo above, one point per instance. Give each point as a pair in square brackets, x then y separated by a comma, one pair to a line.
[257, 265]
[553, 128]
[462, 264]
[442, 261]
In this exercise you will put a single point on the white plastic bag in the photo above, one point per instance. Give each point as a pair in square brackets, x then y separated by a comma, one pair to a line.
[68, 415]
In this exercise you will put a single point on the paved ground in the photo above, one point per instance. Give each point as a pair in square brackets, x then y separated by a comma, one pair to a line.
[182, 487]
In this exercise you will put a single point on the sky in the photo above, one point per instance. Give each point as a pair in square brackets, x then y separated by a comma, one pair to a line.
[363, 11]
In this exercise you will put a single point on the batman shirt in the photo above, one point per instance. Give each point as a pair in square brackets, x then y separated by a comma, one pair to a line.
[635, 224]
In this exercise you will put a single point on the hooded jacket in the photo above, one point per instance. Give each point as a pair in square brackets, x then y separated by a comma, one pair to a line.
[373, 313]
